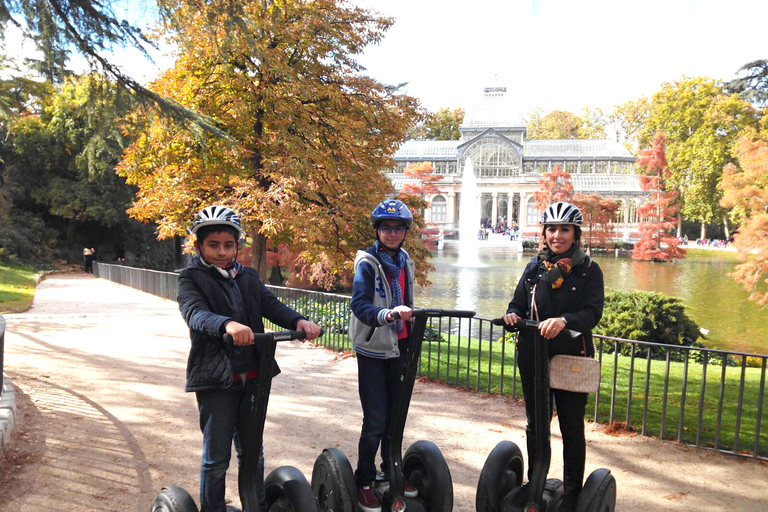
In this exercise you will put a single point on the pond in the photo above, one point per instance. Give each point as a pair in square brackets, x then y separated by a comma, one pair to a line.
[712, 298]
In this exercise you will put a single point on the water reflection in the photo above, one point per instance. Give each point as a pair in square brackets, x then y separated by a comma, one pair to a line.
[712, 298]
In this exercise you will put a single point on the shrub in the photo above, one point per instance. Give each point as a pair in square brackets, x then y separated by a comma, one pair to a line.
[647, 316]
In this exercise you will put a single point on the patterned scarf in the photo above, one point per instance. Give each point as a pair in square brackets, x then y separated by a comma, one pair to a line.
[393, 267]
[560, 265]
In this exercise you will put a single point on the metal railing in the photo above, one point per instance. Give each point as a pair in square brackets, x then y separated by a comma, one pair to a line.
[2, 351]
[711, 399]
[161, 284]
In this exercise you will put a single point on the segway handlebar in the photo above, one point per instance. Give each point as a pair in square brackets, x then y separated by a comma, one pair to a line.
[529, 324]
[261, 337]
[421, 312]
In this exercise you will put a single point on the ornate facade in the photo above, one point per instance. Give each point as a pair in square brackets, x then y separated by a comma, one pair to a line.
[508, 167]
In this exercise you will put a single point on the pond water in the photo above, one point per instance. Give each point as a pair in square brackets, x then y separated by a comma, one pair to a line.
[712, 298]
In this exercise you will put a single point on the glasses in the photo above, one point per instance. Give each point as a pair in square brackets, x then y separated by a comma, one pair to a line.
[398, 230]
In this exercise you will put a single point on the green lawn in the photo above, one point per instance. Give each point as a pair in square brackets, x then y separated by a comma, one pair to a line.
[489, 367]
[17, 288]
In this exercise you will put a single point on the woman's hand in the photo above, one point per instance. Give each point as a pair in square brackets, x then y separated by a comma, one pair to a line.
[551, 327]
[405, 313]
[241, 334]
[510, 318]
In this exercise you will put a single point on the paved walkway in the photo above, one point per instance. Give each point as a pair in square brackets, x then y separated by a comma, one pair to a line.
[102, 366]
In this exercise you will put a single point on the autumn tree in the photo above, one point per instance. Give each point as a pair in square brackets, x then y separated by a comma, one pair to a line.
[700, 124]
[598, 212]
[308, 133]
[560, 124]
[555, 186]
[441, 125]
[746, 192]
[656, 241]
[425, 177]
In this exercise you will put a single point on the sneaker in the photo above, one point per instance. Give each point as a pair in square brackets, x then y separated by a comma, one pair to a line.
[409, 491]
[366, 499]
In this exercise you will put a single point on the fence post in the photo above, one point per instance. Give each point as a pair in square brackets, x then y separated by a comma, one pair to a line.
[2, 351]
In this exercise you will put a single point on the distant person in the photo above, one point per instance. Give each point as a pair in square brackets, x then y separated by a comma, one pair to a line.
[89, 254]
[560, 287]
[218, 295]
[383, 284]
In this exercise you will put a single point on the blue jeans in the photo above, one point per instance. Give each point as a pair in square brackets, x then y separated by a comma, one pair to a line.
[220, 412]
[379, 386]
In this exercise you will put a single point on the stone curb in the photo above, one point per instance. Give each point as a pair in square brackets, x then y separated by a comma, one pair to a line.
[7, 413]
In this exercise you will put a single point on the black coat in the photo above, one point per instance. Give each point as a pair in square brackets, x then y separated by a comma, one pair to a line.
[207, 302]
[579, 299]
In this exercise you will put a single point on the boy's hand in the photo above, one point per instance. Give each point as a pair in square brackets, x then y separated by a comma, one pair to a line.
[241, 334]
[405, 313]
[311, 329]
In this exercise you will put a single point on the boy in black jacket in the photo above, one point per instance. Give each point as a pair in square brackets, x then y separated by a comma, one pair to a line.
[218, 295]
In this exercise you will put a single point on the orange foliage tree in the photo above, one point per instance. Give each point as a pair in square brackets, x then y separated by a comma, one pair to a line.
[307, 132]
[555, 186]
[656, 241]
[746, 193]
[425, 174]
[598, 211]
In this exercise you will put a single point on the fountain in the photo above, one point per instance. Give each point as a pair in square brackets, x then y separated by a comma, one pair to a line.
[469, 219]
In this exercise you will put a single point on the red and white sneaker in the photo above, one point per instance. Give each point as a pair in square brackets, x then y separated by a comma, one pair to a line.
[409, 491]
[366, 499]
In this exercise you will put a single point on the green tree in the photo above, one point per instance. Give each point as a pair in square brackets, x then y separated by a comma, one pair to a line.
[441, 125]
[560, 124]
[630, 118]
[701, 124]
[753, 85]
[306, 129]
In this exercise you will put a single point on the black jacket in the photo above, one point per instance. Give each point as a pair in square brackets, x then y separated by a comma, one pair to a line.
[207, 302]
[579, 299]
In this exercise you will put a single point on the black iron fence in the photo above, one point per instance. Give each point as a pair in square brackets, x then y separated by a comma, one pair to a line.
[2, 351]
[711, 399]
[162, 284]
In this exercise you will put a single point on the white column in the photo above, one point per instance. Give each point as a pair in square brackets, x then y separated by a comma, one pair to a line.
[494, 208]
[450, 214]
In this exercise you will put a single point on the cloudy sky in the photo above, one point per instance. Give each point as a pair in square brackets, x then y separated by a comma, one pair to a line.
[562, 54]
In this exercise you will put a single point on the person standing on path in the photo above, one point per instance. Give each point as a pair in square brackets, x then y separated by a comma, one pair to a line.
[383, 284]
[218, 295]
[561, 286]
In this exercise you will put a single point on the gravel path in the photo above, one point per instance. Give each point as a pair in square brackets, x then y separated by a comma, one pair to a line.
[104, 421]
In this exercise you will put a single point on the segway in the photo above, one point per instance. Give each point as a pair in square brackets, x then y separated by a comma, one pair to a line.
[333, 481]
[287, 489]
[500, 488]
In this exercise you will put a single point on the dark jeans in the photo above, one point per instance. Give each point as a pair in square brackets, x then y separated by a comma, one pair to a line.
[379, 386]
[220, 411]
[571, 408]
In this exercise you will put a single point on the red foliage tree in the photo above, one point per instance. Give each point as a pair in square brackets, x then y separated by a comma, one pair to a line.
[555, 186]
[425, 173]
[598, 211]
[656, 242]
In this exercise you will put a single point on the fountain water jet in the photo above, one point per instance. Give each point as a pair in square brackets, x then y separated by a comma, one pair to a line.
[469, 219]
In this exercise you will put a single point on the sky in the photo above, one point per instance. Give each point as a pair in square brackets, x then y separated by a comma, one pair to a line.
[550, 54]
[561, 54]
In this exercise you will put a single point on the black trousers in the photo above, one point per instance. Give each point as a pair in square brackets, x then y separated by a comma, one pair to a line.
[571, 408]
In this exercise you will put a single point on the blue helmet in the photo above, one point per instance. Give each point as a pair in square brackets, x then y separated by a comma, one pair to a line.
[391, 209]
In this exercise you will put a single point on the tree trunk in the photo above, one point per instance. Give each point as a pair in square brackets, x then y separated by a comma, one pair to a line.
[259, 254]
[726, 228]
[679, 225]
[73, 253]
[703, 231]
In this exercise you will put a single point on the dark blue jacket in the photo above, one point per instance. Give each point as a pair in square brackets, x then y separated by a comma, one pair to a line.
[207, 302]
[579, 299]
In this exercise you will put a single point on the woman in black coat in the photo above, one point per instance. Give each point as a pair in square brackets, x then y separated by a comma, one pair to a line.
[560, 286]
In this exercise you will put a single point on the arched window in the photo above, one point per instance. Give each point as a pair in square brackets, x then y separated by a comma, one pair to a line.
[620, 212]
[503, 208]
[491, 157]
[439, 208]
[532, 213]
[632, 212]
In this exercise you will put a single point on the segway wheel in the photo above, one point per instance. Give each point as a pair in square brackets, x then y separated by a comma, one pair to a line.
[502, 472]
[599, 492]
[287, 490]
[173, 499]
[425, 468]
[333, 482]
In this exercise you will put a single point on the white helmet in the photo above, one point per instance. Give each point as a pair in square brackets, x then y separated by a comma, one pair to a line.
[562, 213]
[216, 215]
